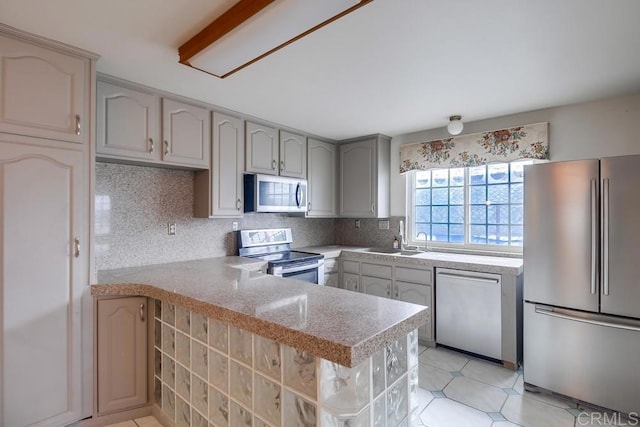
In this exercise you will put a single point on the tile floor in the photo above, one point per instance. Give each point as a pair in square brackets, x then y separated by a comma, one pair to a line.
[457, 390]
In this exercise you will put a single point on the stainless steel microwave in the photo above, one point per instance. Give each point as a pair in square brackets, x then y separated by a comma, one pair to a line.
[268, 193]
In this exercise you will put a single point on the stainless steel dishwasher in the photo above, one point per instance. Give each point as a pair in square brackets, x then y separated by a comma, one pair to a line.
[468, 311]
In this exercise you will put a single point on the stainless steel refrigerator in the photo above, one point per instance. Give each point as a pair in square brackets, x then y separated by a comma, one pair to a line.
[582, 280]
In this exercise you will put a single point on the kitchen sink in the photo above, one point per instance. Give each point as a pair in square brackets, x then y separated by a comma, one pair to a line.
[392, 251]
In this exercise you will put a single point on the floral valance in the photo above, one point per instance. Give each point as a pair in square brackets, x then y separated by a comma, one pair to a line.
[504, 145]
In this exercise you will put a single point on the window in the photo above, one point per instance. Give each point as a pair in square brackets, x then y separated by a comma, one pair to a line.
[478, 207]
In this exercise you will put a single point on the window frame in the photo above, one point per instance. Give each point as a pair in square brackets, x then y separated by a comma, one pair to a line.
[466, 247]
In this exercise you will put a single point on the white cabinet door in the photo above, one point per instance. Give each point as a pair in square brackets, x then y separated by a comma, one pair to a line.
[358, 180]
[43, 93]
[227, 165]
[127, 123]
[44, 267]
[261, 149]
[351, 282]
[417, 294]
[293, 155]
[376, 286]
[322, 179]
[122, 353]
[186, 134]
[332, 280]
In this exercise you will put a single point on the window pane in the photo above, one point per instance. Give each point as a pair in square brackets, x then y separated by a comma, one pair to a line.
[517, 214]
[440, 232]
[440, 196]
[498, 193]
[423, 213]
[478, 195]
[516, 235]
[498, 173]
[456, 233]
[423, 179]
[479, 214]
[516, 193]
[478, 234]
[456, 214]
[440, 177]
[517, 172]
[498, 214]
[423, 196]
[456, 196]
[440, 214]
[422, 230]
[478, 175]
[456, 177]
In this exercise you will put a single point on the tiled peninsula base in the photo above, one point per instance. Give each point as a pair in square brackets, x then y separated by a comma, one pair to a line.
[208, 373]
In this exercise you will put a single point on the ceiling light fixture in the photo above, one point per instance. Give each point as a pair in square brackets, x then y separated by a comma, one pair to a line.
[253, 29]
[455, 125]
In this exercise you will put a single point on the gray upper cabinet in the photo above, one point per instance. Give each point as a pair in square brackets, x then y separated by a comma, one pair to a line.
[127, 123]
[132, 127]
[322, 175]
[273, 153]
[186, 134]
[262, 149]
[44, 93]
[218, 191]
[364, 177]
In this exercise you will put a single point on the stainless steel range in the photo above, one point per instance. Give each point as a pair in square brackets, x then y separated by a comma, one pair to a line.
[274, 245]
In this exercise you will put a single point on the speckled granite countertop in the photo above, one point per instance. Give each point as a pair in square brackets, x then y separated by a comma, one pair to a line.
[481, 263]
[338, 325]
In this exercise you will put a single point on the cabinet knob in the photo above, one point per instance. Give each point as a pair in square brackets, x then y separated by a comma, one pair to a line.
[373, 207]
[238, 204]
[151, 145]
[78, 124]
[142, 312]
[309, 207]
[76, 243]
[166, 147]
[273, 164]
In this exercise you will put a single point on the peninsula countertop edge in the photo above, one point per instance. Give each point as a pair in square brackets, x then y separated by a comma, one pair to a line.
[335, 324]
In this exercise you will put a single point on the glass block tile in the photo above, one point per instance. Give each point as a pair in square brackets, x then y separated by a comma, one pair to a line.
[240, 383]
[219, 371]
[345, 388]
[198, 420]
[413, 388]
[168, 371]
[199, 359]
[199, 327]
[267, 399]
[157, 359]
[378, 372]
[183, 381]
[299, 368]
[360, 420]
[157, 391]
[257, 422]
[183, 349]
[240, 345]
[396, 360]
[297, 411]
[168, 340]
[199, 394]
[157, 334]
[168, 313]
[219, 335]
[267, 357]
[412, 348]
[169, 402]
[239, 416]
[380, 411]
[157, 304]
[397, 403]
[218, 408]
[183, 320]
[183, 413]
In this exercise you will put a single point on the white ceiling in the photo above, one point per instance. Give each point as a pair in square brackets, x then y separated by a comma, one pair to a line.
[393, 66]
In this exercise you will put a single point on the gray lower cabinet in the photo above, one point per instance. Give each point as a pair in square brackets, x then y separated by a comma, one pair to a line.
[121, 353]
[417, 294]
[331, 272]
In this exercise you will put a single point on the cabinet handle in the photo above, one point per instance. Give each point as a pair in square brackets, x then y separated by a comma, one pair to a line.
[281, 165]
[78, 124]
[273, 164]
[142, 312]
[166, 147]
[309, 207]
[388, 292]
[373, 207]
[76, 243]
[238, 204]
[151, 145]
[397, 294]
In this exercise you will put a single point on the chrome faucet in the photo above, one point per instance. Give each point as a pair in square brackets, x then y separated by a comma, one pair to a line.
[426, 238]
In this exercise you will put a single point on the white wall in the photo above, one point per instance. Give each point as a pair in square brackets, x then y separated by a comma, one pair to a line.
[594, 129]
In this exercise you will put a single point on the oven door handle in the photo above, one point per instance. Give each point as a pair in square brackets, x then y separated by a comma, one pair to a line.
[284, 270]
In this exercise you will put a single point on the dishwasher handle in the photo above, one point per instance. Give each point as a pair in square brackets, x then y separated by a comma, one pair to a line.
[471, 278]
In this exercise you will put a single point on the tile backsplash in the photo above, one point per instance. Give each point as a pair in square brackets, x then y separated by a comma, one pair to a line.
[134, 204]
[368, 235]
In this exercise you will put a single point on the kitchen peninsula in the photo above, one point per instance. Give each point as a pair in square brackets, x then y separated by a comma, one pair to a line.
[234, 343]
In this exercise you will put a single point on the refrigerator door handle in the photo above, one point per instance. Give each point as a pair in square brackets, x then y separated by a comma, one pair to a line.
[594, 235]
[605, 236]
[552, 313]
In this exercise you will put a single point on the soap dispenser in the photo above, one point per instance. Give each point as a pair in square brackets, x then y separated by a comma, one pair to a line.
[396, 243]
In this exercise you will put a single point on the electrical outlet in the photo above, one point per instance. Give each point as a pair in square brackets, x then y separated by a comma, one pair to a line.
[234, 225]
[171, 228]
[383, 224]
[357, 223]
